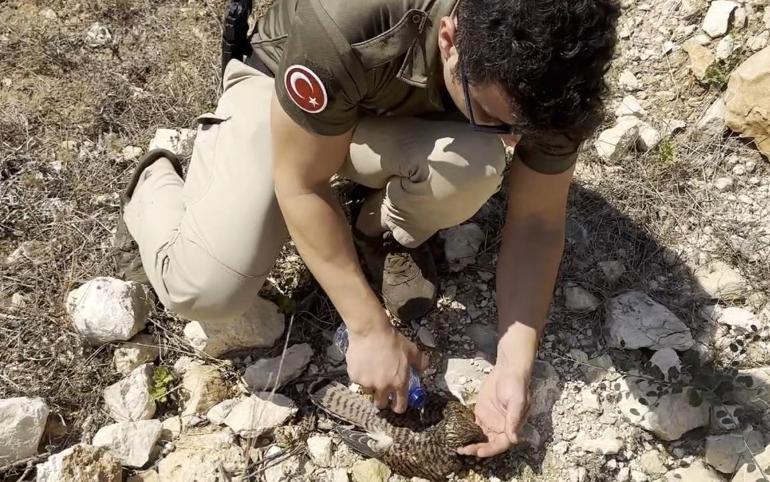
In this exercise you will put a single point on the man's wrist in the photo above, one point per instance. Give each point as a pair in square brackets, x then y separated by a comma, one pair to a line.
[517, 348]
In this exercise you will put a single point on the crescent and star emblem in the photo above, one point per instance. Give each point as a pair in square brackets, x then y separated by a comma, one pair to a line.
[305, 89]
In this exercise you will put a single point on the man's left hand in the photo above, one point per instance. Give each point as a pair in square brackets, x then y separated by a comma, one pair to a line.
[501, 411]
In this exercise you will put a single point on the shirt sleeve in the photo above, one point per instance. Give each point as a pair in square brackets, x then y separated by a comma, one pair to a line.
[552, 154]
[319, 81]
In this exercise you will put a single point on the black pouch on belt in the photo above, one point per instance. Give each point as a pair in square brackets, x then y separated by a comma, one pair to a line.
[235, 31]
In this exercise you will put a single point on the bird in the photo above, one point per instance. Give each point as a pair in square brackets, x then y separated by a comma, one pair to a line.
[419, 443]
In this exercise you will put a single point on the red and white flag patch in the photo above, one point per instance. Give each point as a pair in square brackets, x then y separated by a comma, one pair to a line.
[305, 89]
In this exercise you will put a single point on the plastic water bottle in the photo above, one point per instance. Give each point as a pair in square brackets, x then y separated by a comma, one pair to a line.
[416, 394]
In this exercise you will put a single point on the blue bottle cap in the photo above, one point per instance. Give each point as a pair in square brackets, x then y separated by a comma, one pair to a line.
[417, 397]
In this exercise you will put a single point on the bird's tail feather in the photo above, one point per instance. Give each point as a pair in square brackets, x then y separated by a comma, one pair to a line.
[337, 400]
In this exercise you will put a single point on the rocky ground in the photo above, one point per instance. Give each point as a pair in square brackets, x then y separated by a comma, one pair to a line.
[655, 364]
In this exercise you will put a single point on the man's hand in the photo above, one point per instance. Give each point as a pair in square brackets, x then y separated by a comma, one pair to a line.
[501, 411]
[379, 359]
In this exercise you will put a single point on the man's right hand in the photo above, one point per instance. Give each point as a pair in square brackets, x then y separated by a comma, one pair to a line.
[379, 359]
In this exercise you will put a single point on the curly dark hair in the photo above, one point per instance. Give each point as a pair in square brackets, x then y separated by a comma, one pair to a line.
[549, 55]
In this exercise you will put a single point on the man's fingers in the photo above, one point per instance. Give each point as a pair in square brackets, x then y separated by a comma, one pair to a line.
[399, 404]
[381, 398]
[515, 415]
[496, 445]
[417, 359]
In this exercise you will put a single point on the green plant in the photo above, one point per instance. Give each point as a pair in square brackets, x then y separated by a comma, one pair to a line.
[162, 378]
[667, 151]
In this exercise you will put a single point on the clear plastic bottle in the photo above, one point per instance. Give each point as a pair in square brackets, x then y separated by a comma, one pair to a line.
[416, 394]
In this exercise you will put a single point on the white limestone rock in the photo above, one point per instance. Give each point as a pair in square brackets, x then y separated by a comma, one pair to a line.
[634, 320]
[139, 350]
[105, 309]
[612, 270]
[696, 472]
[463, 378]
[259, 327]
[129, 399]
[219, 412]
[178, 141]
[320, 448]
[22, 423]
[628, 81]
[725, 47]
[203, 456]
[668, 362]
[717, 19]
[701, 58]
[610, 443]
[629, 106]
[749, 471]
[615, 142]
[720, 281]
[98, 35]
[728, 452]
[579, 299]
[270, 373]
[461, 244]
[81, 463]
[131, 153]
[649, 137]
[131, 442]
[260, 413]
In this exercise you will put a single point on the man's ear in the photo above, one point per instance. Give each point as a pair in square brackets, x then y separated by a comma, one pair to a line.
[446, 36]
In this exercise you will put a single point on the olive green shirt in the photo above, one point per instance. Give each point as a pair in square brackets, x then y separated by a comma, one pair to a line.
[372, 57]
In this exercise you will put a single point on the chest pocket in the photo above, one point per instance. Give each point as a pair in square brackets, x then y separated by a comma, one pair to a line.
[392, 43]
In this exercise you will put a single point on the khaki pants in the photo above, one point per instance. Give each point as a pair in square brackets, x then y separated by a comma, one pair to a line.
[207, 243]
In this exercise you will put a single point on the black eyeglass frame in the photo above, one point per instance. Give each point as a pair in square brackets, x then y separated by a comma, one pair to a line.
[502, 129]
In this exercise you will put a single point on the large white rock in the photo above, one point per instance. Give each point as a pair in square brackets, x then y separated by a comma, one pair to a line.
[276, 372]
[669, 416]
[728, 452]
[320, 448]
[259, 413]
[461, 244]
[202, 388]
[140, 350]
[717, 20]
[219, 412]
[259, 327]
[739, 318]
[81, 463]
[748, 107]
[131, 442]
[579, 299]
[720, 281]
[634, 320]
[463, 378]
[105, 309]
[22, 423]
[667, 361]
[203, 456]
[613, 143]
[749, 471]
[129, 399]
[696, 472]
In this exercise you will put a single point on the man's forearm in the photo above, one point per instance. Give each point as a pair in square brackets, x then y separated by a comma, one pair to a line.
[526, 271]
[323, 239]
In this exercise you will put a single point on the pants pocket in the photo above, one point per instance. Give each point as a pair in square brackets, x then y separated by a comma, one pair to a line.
[201, 173]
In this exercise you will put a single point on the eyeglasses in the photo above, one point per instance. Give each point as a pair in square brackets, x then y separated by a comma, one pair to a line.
[506, 129]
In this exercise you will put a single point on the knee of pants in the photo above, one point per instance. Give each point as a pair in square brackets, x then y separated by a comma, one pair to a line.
[206, 291]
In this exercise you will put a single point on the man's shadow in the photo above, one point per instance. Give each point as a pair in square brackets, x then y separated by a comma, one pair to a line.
[598, 232]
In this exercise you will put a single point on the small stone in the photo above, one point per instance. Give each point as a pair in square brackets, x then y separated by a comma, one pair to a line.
[139, 350]
[724, 184]
[131, 442]
[740, 18]
[203, 456]
[667, 361]
[259, 413]
[712, 123]
[370, 470]
[720, 281]
[338, 475]
[579, 474]
[219, 412]
[579, 299]
[178, 141]
[202, 388]
[104, 309]
[652, 464]
[275, 372]
[98, 35]
[609, 443]
[463, 378]
[48, 14]
[649, 137]
[81, 463]
[612, 270]
[426, 337]
[131, 153]
[728, 452]
[628, 81]
[461, 244]
[759, 41]
[696, 472]
[33, 251]
[259, 327]
[624, 475]
[630, 106]
[634, 320]
[320, 449]
[701, 58]
[638, 476]
[717, 20]
[612, 144]
[22, 423]
[725, 47]
[590, 402]
[171, 428]
[129, 400]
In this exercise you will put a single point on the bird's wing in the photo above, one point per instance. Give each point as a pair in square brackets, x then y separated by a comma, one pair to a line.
[337, 400]
[369, 445]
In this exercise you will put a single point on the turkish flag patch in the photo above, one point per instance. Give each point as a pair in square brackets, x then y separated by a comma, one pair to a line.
[305, 89]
